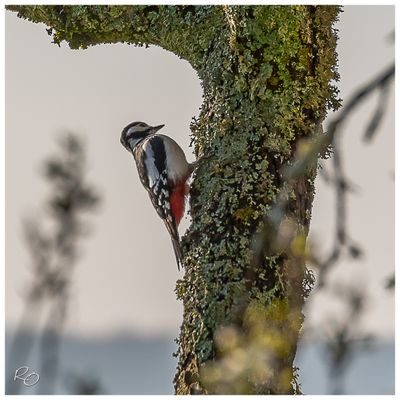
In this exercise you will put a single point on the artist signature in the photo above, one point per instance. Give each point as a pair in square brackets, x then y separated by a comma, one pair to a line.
[28, 379]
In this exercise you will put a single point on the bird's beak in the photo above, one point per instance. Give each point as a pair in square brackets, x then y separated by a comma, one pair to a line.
[157, 128]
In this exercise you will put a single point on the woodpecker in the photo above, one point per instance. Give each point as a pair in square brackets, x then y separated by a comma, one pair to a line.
[163, 171]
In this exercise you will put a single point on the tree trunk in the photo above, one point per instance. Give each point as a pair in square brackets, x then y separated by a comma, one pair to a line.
[267, 75]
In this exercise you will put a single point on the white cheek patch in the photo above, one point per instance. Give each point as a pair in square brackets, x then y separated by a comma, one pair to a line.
[133, 142]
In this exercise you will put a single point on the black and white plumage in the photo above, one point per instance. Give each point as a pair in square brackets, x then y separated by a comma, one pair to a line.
[163, 171]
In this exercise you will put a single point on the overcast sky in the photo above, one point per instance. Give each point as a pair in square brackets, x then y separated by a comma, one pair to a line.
[125, 279]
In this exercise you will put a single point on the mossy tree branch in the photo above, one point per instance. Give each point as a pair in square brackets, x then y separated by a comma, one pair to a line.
[170, 27]
[267, 76]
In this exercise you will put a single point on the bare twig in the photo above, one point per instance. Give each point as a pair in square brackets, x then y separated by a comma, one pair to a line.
[53, 255]
[342, 240]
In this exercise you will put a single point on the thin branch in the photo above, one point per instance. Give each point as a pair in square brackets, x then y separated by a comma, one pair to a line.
[264, 242]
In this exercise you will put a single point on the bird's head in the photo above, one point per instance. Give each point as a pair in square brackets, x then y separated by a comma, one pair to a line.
[135, 132]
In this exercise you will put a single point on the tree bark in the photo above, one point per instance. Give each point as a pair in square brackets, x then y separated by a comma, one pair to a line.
[267, 76]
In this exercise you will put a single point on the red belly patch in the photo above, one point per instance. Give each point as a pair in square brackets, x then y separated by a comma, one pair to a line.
[177, 201]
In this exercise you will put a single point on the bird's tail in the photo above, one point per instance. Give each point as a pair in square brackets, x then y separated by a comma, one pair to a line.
[173, 231]
[178, 252]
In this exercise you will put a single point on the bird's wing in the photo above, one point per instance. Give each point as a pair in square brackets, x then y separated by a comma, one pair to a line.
[156, 184]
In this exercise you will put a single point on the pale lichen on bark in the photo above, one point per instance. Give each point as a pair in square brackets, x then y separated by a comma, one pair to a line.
[267, 75]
